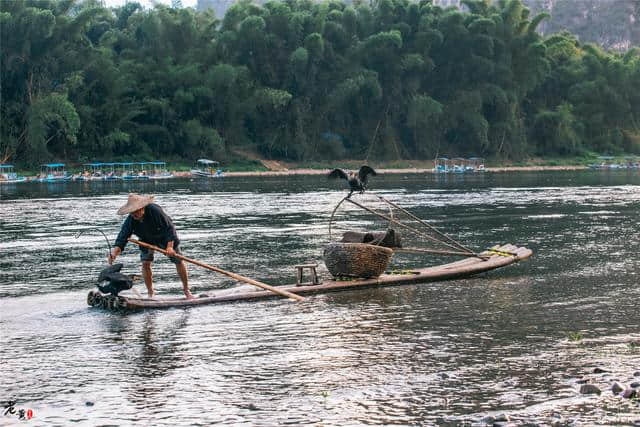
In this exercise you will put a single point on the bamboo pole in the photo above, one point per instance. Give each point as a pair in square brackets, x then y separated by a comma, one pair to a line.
[221, 271]
[333, 213]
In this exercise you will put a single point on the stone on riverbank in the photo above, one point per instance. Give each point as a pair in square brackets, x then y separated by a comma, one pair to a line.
[590, 389]
[617, 388]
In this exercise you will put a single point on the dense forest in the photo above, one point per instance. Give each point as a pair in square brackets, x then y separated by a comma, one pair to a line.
[306, 80]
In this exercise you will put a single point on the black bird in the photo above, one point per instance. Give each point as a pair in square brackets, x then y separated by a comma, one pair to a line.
[357, 181]
[117, 282]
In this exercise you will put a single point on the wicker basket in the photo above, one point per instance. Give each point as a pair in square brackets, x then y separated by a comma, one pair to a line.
[356, 259]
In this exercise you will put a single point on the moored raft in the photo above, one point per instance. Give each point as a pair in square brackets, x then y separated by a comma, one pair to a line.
[496, 257]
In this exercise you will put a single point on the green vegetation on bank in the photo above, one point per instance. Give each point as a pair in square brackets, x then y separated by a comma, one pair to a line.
[306, 81]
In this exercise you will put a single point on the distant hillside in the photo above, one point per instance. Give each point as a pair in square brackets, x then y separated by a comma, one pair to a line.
[219, 6]
[612, 24]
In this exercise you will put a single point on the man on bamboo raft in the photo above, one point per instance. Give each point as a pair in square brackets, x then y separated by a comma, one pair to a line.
[152, 225]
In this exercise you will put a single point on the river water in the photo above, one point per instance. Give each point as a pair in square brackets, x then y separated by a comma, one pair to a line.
[512, 344]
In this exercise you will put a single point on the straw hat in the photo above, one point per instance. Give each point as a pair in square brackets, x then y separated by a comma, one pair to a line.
[135, 202]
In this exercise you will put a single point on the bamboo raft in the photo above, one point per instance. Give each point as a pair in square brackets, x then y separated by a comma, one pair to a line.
[496, 257]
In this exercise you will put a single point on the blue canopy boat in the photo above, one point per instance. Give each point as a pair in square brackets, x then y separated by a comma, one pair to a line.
[8, 176]
[133, 171]
[53, 172]
[442, 165]
[126, 171]
[475, 164]
[110, 171]
[159, 170]
[459, 165]
[95, 171]
[206, 168]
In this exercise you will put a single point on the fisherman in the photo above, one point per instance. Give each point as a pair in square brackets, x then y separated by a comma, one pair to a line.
[151, 224]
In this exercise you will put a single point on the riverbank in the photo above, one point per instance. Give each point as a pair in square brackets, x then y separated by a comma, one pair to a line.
[309, 171]
[248, 164]
[283, 171]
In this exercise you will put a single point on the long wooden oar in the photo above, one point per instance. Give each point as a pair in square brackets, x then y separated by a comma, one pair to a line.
[221, 271]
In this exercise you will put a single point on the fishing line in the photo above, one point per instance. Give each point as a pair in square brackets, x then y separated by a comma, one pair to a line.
[100, 231]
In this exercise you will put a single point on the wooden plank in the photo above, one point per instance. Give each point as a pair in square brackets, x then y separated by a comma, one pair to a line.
[457, 269]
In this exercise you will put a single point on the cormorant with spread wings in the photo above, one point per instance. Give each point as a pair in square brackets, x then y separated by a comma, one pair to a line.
[357, 181]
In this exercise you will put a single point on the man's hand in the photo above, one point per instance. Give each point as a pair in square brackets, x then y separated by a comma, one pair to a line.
[170, 251]
[114, 254]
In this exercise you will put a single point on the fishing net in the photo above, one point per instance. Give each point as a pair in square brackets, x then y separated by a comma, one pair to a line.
[372, 219]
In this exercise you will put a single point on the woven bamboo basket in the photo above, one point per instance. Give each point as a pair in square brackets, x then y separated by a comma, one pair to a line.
[356, 259]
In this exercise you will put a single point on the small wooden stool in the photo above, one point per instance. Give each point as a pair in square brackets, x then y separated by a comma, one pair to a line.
[312, 269]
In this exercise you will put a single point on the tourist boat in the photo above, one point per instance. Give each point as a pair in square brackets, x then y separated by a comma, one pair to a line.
[206, 168]
[95, 171]
[132, 171]
[8, 176]
[53, 173]
[459, 165]
[442, 165]
[111, 173]
[159, 170]
[607, 163]
[632, 162]
[475, 164]
[99, 171]
[86, 174]
[140, 172]
[496, 257]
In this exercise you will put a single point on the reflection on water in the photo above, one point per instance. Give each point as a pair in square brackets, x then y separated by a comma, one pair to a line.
[446, 353]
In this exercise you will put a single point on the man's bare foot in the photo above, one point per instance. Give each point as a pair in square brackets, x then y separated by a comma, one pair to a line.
[151, 295]
[188, 295]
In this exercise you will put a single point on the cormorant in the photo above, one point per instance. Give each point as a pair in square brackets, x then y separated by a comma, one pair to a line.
[117, 282]
[357, 181]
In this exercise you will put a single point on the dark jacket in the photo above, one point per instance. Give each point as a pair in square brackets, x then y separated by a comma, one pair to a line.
[155, 228]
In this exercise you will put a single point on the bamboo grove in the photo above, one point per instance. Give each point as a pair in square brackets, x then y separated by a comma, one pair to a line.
[306, 80]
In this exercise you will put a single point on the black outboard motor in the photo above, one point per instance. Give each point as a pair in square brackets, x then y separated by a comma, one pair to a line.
[116, 281]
